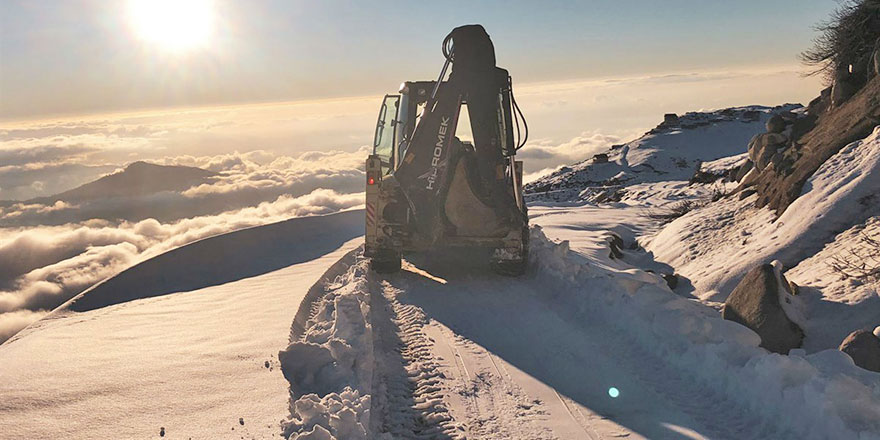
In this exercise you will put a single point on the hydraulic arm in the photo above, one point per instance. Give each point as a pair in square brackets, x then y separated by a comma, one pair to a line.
[429, 156]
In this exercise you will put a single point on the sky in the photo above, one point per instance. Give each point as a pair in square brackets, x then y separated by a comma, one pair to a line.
[280, 98]
[87, 86]
[83, 56]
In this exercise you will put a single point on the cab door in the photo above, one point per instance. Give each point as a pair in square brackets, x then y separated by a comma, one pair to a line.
[380, 164]
[384, 141]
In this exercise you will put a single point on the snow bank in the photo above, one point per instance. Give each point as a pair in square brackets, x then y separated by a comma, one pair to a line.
[329, 364]
[818, 396]
[715, 246]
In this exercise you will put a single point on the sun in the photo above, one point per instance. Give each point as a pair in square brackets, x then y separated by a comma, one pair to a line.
[173, 25]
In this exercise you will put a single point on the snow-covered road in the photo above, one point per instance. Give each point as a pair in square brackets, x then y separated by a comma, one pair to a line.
[502, 359]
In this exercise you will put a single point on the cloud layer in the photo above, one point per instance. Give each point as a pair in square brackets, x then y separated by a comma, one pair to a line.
[47, 265]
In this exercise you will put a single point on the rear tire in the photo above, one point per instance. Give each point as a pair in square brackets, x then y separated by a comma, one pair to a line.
[385, 261]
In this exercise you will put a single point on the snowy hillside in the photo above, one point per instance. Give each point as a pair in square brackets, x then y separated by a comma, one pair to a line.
[733, 236]
[671, 152]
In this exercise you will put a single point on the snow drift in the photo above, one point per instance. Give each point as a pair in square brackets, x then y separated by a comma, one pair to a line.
[329, 361]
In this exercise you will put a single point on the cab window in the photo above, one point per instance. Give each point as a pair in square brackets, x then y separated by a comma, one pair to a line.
[386, 126]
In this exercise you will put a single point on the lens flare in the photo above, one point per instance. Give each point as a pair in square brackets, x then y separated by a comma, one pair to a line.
[613, 392]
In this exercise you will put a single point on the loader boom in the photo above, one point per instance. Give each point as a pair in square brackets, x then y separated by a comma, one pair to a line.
[476, 81]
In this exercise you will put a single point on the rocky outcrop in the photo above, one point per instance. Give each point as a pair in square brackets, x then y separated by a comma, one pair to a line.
[776, 124]
[768, 148]
[781, 184]
[764, 146]
[758, 301]
[842, 90]
[864, 349]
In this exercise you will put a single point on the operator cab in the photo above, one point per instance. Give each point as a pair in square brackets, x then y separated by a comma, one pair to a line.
[398, 117]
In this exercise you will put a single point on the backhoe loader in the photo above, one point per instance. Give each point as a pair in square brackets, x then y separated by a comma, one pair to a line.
[427, 189]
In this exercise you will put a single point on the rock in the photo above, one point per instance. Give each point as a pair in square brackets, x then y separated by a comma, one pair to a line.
[756, 303]
[701, 176]
[600, 158]
[671, 280]
[743, 170]
[746, 193]
[788, 116]
[776, 124]
[670, 119]
[764, 146]
[864, 349]
[616, 245]
[802, 126]
[834, 129]
[841, 91]
[821, 103]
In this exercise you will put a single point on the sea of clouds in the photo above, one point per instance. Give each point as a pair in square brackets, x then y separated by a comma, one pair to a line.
[52, 250]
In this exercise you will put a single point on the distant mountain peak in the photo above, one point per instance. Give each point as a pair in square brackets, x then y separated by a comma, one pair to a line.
[138, 178]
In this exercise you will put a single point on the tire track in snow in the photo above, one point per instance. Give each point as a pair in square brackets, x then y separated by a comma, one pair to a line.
[582, 422]
[495, 407]
[407, 396]
[677, 406]
[720, 416]
[483, 400]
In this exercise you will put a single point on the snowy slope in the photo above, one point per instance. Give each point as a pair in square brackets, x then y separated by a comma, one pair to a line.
[667, 153]
[194, 361]
[835, 304]
[716, 245]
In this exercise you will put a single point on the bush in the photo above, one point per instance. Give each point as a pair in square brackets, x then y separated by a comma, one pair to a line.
[675, 211]
[862, 262]
[846, 40]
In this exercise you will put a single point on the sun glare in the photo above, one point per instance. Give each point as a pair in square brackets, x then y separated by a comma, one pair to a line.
[174, 25]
